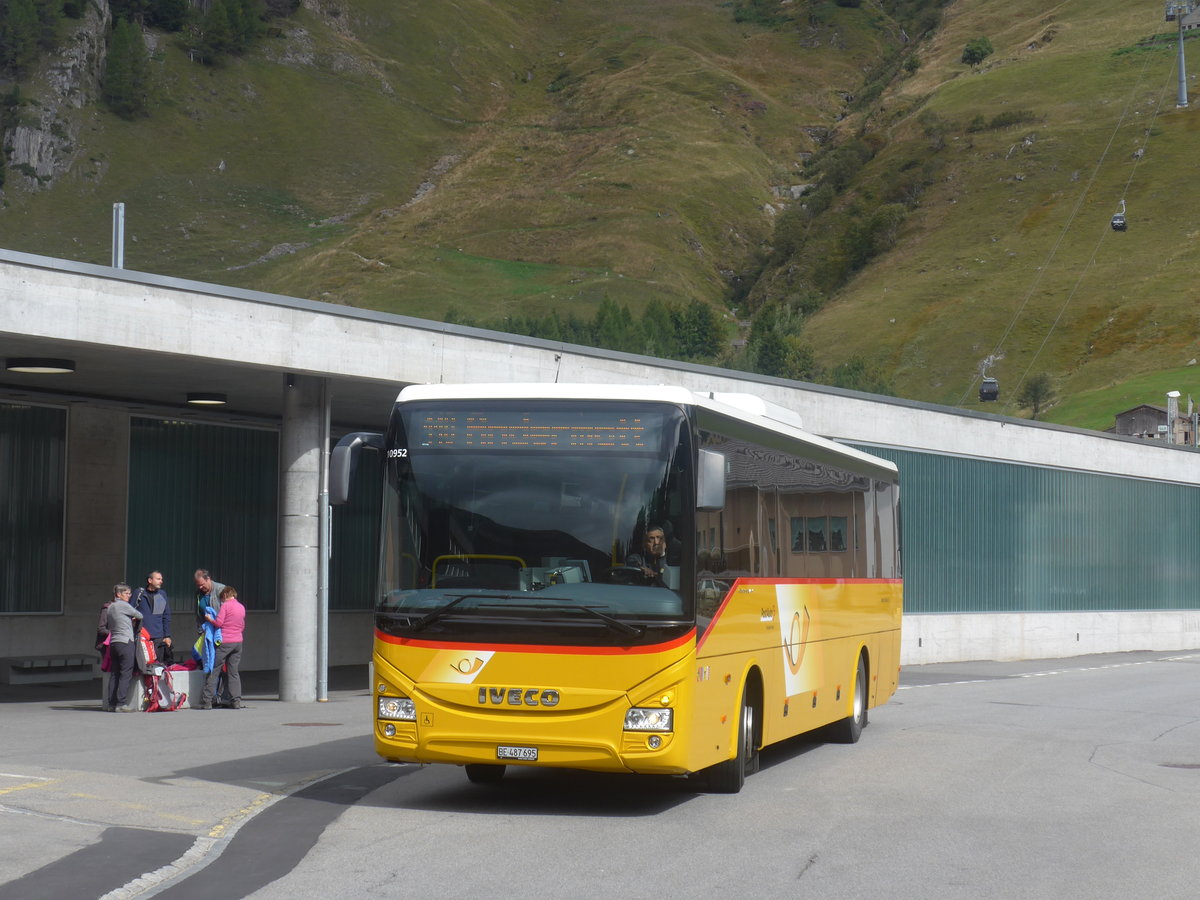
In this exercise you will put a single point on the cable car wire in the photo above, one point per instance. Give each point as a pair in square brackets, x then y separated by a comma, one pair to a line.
[1095, 252]
[1067, 226]
[1091, 262]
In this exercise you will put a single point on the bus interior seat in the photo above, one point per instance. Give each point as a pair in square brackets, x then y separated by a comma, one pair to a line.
[496, 575]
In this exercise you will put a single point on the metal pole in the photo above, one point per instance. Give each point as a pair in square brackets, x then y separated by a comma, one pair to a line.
[325, 539]
[1183, 101]
[118, 236]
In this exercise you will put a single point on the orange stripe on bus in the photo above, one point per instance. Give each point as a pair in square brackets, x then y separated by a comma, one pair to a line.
[540, 648]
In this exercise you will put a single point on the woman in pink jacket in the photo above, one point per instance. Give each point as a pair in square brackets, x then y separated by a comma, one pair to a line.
[231, 619]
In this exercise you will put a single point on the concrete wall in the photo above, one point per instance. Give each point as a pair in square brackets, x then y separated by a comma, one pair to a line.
[935, 638]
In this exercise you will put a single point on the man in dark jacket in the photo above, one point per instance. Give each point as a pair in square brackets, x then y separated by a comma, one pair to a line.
[151, 601]
[653, 557]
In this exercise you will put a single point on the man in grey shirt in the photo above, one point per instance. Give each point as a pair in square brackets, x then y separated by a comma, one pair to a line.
[124, 623]
[208, 593]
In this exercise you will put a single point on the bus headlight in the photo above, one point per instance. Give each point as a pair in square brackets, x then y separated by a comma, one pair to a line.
[400, 708]
[642, 719]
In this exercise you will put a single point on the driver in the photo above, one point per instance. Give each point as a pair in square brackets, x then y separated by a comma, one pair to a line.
[653, 557]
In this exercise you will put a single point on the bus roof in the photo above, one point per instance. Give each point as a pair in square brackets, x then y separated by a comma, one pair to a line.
[746, 408]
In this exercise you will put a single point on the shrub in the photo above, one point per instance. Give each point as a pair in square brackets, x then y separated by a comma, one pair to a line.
[767, 13]
[977, 50]
[1036, 394]
[857, 374]
[1012, 117]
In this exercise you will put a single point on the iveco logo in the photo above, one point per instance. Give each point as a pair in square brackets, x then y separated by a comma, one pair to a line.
[498, 696]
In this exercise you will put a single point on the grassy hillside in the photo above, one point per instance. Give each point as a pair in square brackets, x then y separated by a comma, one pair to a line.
[1011, 253]
[485, 156]
[529, 156]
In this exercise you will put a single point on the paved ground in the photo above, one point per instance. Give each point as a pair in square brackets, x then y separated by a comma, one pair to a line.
[96, 804]
[81, 788]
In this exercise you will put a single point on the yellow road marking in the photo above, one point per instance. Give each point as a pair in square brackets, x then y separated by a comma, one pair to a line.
[28, 785]
[235, 817]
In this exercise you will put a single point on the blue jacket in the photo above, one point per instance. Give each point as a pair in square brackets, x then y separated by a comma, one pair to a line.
[155, 610]
[205, 649]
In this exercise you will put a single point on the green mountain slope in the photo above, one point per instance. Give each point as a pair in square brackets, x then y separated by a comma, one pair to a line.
[1010, 253]
[481, 155]
[531, 156]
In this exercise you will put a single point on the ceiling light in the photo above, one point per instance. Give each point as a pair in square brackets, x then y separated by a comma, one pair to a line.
[39, 365]
[206, 399]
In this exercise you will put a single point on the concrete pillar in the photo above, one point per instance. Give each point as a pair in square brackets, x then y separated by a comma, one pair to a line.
[300, 447]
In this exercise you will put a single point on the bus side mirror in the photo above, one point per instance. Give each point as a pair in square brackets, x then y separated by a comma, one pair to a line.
[710, 480]
[343, 461]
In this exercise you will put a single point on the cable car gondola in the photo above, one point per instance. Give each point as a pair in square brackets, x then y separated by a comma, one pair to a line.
[989, 389]
[1118, 220]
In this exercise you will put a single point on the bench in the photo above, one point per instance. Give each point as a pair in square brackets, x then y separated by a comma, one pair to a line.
[49, 669]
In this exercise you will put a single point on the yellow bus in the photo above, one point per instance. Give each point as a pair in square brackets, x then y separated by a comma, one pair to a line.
[623, 579]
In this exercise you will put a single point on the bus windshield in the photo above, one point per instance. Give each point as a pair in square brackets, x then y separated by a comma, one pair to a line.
[528, 522]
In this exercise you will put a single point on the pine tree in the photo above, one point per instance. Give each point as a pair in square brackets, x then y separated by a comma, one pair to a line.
[127, 74]
[613, 327]
[19, 36]
[50, 16]
[246, 20]
[776, 348]
[658, 331]
[699, 331]
[131, 10]
[216, 33]
[169, 15]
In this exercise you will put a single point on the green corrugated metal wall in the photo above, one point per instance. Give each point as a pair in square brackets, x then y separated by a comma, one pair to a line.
[979, 535]
[224, 514]
[985, 536]
[203, 496]
[32, 489]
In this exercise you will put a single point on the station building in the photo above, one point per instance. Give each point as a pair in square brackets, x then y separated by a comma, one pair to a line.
[191, 423]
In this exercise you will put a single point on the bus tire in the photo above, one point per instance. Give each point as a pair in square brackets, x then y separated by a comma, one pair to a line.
[484, 773]
[729, 776]
[849, 729]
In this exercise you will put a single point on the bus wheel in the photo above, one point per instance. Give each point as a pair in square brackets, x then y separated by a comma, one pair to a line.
[849, 729]
[729, 776]
[482, 773]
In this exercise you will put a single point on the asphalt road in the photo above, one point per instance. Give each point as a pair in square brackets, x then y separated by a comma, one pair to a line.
[1060, 779]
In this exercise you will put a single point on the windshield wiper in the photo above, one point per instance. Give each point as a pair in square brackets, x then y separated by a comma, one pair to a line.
[563, 604]
[611, 621]
[624, 627]
[429, 618]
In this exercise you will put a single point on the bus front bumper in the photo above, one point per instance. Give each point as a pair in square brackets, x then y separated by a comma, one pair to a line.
[654, 753]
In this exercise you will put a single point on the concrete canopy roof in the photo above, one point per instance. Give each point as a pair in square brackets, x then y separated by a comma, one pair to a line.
[159, 382]
[146, 342]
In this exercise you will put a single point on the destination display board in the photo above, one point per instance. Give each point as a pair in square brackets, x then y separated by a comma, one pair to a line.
[546, 430]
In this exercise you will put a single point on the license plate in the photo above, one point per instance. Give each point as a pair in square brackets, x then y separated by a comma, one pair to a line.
[528, 754]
